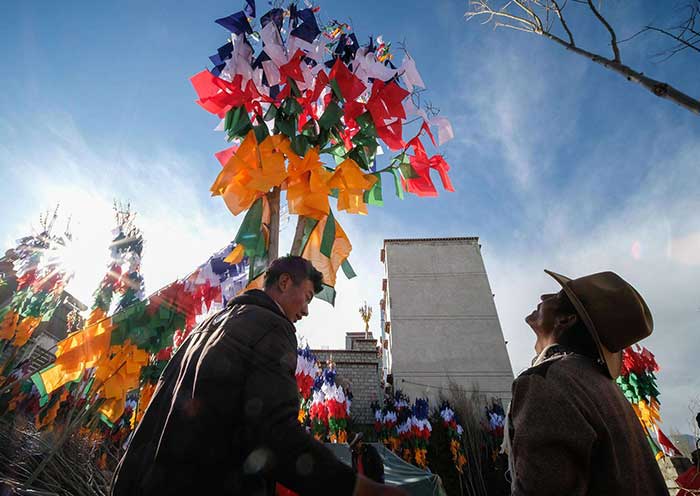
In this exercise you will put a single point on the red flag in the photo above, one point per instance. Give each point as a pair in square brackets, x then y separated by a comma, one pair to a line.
[350, 85]
[666, 445]
[225, 155]
[292, 69]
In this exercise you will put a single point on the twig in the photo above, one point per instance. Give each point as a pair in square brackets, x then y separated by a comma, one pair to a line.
[557, 10]
[680, 40]
[504, 18]
[529, 12]
[613, 37]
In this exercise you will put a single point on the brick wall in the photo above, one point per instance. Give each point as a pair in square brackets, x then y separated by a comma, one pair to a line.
[360, 369]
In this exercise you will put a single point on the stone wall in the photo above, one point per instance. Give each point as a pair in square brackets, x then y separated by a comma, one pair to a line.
[671, 468]
[360, 369]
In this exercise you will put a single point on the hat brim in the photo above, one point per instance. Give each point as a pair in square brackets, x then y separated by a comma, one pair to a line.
[613, 361]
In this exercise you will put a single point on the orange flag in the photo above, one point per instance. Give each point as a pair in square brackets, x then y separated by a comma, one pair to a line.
[341, 248]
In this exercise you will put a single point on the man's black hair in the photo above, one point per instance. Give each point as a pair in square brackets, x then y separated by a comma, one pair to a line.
[298, 268]
[577, 338]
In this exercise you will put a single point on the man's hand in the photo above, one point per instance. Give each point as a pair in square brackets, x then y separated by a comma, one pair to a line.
[367, 487]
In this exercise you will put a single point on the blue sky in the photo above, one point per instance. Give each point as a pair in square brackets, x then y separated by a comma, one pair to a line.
[557, 162]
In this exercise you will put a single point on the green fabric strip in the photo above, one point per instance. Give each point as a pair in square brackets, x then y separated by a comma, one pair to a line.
[407, 171]
[250, 231]
[654, 448]
[258, 265]
[347, 269]
[336, 89]
[270, 113]
[293, 87]
[359, 155]
[327, 294]
[104, 419]
[261, 132]
[328, 238]
[309, 226]
[88, 386]
[331, 116]
[237, 122]
[291, 107]
[374, 195]
[397, 182]
[286, 125]
[40, 386]
[300, 144]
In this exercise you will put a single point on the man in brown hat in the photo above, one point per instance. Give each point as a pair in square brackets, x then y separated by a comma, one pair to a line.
[570, 429]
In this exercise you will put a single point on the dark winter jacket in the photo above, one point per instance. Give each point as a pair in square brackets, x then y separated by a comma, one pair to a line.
[574, 433]
[223, 418]
[368, 462]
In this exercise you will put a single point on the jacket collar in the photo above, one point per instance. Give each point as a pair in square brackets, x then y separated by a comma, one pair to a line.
[261, 299]
[551, 352]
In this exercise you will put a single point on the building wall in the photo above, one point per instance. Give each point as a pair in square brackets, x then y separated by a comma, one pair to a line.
[360, 368]
[441, 319]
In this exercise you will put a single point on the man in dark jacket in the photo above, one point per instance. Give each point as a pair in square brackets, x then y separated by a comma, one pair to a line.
[571, 430]
[223, 418]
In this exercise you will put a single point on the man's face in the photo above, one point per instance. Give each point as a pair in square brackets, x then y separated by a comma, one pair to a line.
[295, 298]
[544, 318]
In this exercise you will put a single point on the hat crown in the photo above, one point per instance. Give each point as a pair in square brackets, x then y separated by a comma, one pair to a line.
[618, 312]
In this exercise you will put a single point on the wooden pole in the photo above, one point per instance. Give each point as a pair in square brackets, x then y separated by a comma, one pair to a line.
[274, 199]
[298, 236]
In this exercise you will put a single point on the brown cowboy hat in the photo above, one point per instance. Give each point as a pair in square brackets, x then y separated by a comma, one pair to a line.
[613, 312]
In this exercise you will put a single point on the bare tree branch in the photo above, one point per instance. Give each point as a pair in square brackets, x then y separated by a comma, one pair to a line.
[685, 44]
[482, 8]
[531, 23]
[531, 13]
[557, 10]
[613, 38]
[684, 33]
[510, 26]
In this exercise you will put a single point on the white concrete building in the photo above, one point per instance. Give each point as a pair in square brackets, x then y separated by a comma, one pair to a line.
[441, 324]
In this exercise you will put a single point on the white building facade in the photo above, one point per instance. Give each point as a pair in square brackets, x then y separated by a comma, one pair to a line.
[440, 320]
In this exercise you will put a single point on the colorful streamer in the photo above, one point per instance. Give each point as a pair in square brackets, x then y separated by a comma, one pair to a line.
[288, 92]
[454, 436]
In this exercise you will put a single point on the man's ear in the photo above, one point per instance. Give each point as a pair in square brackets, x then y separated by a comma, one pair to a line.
[565, 322]
[284, 282]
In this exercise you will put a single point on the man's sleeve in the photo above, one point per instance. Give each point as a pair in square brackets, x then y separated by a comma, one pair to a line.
[282, 448]
[552, 441]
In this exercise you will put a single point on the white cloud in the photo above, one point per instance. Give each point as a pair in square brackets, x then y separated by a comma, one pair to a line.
[514, 108]
[182, 226]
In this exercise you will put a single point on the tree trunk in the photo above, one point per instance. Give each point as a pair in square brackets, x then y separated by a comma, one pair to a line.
[274, 199]
[658, 88]
[298, 236]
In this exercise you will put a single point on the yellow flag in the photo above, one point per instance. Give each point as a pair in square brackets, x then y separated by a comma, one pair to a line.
[79, 351]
